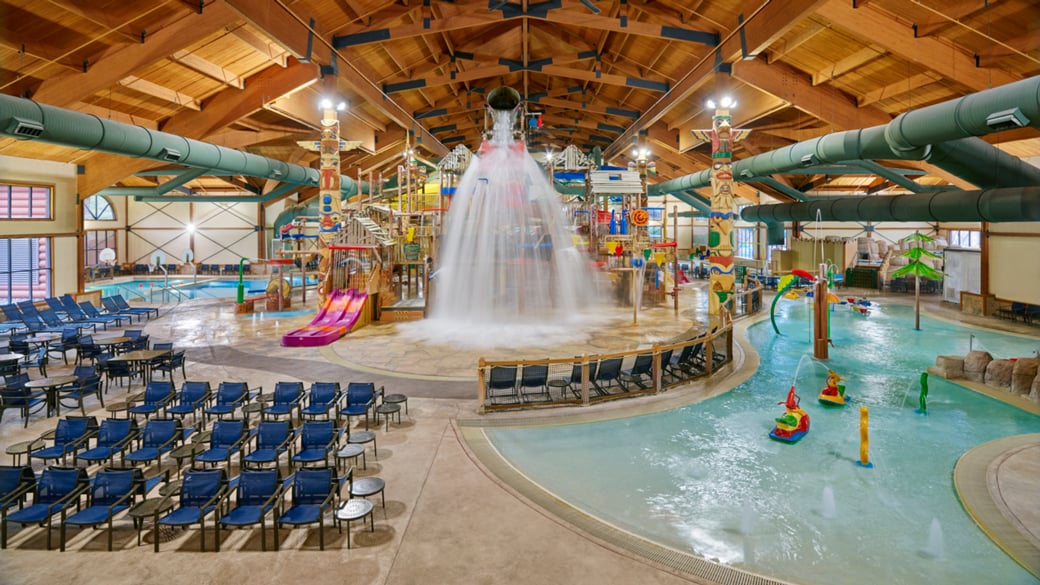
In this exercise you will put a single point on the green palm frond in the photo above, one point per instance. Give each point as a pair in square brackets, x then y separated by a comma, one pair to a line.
[917, 237]
[918, 269]
[918, 253]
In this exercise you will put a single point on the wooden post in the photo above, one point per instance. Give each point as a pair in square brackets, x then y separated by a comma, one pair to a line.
[820, 315]
[657, 368]
[481, 386]
[585, 379]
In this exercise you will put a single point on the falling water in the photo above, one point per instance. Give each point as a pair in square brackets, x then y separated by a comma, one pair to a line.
[828, 509]
[508, 264]
[935, 545]
[747, 519]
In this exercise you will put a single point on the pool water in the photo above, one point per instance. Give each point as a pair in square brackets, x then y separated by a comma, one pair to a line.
[151, 290]
[706, 479]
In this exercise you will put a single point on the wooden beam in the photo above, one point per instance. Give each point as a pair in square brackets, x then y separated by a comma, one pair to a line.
[454, 19]
[272, 51]
[120, 61]
[898, 88]
[783, 47]
[302, 107]
[208, 68]
[584, 20]
[934, 53]
[765, 23]
[843, 66]
[753, 105]
[109, 114]
[283, 28]
[163, 93]
[1027, 43]
[790, 84]
[951, 12]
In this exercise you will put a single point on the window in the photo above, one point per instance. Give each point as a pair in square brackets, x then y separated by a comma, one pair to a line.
[98, 208]
[965, 239]
[746, 242]
[25, 269]
[25, 201]
[94, 241]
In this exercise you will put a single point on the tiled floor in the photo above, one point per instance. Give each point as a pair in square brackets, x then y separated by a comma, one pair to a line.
[446, 519]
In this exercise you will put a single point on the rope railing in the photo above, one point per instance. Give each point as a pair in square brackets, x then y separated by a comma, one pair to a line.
[591, 379]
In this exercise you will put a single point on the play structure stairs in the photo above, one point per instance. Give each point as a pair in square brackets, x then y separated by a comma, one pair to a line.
[375, 230]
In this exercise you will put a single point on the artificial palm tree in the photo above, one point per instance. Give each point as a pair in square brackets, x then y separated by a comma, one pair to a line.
[918, 268]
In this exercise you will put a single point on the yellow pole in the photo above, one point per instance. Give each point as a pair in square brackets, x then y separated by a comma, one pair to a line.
[864, 440]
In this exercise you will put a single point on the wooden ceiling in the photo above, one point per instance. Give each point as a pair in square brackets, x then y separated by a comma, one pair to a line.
[248, 74]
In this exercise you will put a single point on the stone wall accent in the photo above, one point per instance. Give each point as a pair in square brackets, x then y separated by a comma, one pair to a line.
[998, 373]
[975, 365]
[1024, 375]
[950, 367]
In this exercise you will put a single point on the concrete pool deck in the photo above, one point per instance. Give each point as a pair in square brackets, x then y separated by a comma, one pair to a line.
[447, 520]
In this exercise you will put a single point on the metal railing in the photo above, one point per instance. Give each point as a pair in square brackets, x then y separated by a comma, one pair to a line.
[591, 379]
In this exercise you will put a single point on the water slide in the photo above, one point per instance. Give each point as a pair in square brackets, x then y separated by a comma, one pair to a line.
[334, 320]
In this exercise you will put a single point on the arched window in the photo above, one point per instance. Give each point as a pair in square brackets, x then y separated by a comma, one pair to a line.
[97, 207]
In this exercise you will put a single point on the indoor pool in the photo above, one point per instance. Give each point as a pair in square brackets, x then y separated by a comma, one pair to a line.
[186, 288]
[706, 479]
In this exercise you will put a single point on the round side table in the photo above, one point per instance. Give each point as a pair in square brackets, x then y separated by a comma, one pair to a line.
[355, 509]
[369, 486]
[362, 437]
[396, 399]
[24, 448]
[388, 410]
[352, 452]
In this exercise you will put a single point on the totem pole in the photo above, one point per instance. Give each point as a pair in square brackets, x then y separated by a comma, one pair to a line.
[723, 211]
[329, 209]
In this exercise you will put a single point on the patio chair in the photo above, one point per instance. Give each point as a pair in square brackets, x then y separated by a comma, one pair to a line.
[536, 377]
[38, 360]
[361, 397]
[52, 320]
[502, 385]
[55, 305]
[84, 388]
[287, 398]
[69, 436]
[69, 341]
[138, 340]
[676, 366]
[609, 374]
[666, 358]
[642, 368]
[93, 313]
[57, 490]
[18, 397]
[16, 484]
[190, 400]
[314, 492]
[273, 438]
[110, 493]
[110, 369]
[257, 495]
[318, 439]
[170, 363]
[321, 400]
[157, 394]
[82, 372]
[125, 307]
[159, 436]
[574, 382]
[86, 349]
[10, 367]
[229, 397]
[113, 437]
[75, 314]
[201, 494]
[226, 440]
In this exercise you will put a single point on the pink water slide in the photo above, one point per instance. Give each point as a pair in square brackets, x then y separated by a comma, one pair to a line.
[339, 315]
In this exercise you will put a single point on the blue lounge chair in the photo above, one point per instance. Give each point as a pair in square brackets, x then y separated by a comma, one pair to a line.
[361, 396]
[201, 494]
[273, 438]
[321, 400]
[125, 307]
[258, 494]
[77, 395]
[226, 440]
[190, 400]
[69, 436]
[17, 483]
[314, 492]
[68, 342]
[57, 490]
[92, 312]
[111, 493]
[157, 395]
[287, 398]
[15, 396]
[113, 437]
[642, 368]
[502, 385]
[534, 382]
[609, 374]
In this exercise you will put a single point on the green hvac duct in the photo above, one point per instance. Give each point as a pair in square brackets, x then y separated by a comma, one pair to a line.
[993, 205]
[25, 119]
[941, 133]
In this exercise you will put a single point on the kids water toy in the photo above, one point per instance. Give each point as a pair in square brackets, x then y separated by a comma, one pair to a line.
[833, 394]
[786, 283]
[794, 424]
[864, 438]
